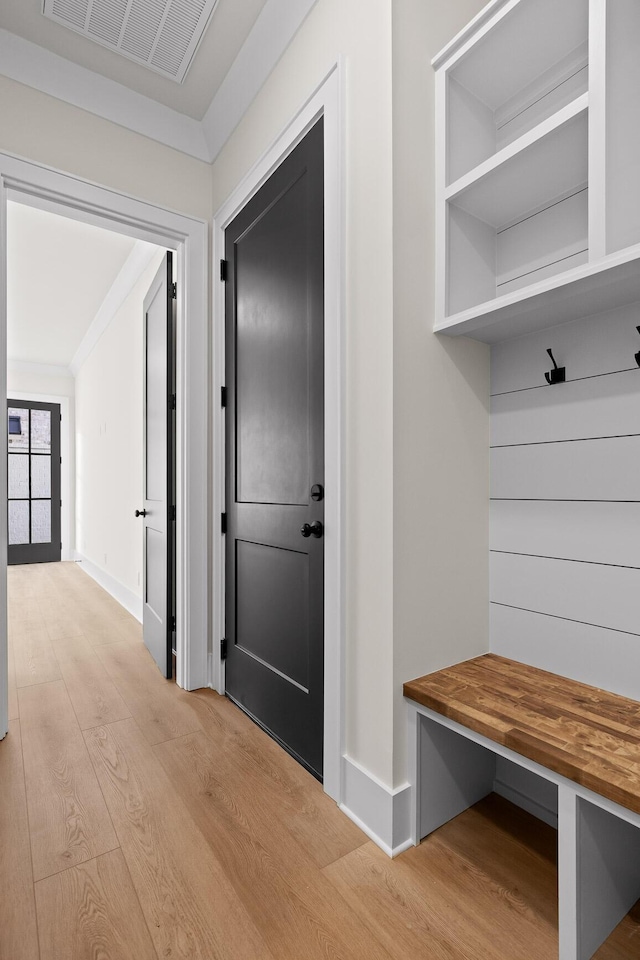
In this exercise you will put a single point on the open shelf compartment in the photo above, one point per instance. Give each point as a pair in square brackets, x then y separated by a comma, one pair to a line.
[523, 220]
[530, 63]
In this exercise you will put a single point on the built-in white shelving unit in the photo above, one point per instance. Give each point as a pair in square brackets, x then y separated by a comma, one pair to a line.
[538, 166]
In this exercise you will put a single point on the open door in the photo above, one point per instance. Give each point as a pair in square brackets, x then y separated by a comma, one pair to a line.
[158, 513]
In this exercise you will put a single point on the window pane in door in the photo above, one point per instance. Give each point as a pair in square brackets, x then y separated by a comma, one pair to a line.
[19, 476]
[41, 476]
[18, 521]
[41, 521]
[41, 431]
[18, 429]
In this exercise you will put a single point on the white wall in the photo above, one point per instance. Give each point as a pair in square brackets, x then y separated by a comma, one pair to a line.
[34, 385]
[440, 396]
[109, 458]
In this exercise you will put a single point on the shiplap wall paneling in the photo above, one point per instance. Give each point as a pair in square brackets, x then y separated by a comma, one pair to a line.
[590, 531]
[603, 469]
[595, 593]
[565, 511]
[599, 344]
[602, 658]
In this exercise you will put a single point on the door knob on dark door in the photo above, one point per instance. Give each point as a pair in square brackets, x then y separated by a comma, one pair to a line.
[141, 513]
[314, 529]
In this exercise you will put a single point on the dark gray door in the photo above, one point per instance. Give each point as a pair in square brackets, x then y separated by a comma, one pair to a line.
[159, 503]
[275, 454]
[33, 482]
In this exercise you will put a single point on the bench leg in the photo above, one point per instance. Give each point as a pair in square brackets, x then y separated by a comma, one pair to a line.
[567, 873]
[453, 773]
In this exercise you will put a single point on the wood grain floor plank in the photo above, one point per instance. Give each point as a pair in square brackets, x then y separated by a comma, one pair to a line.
[293, 905]
[189, 906]
[14, 711]
[312, 818]
[439, 901]
[92, 911]
[72, 648]
[161, 710]
[35, 661]
[69, 822]
[93, 694]
[18, 931]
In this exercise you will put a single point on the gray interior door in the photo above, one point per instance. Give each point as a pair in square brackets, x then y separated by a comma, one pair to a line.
[275, 454]
[158, 513]
[33, 482]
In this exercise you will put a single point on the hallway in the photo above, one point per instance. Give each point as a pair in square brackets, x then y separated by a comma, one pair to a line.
[140, 822]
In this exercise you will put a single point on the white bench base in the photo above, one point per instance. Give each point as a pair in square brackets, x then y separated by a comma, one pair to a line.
[451, 767]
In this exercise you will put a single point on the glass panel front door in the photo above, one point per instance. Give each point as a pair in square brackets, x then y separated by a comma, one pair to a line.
[33, 481]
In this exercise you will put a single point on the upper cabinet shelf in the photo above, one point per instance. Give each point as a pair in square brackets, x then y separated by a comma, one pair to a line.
[538, 161]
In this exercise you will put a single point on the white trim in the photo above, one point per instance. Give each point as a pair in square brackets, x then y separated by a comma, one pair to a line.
[93, 203]
[383, 814]
[326, 100]
[468, 32]
[132, 269]
[271, 34]
[125, 597]
[67, 467]
[36, 67]
[40, 369]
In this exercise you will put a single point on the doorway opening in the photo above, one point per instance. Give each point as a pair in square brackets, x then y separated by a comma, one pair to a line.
[45, 189]
[108, 344]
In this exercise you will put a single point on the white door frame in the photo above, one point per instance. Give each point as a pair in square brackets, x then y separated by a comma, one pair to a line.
[71, 196]
[325, 101]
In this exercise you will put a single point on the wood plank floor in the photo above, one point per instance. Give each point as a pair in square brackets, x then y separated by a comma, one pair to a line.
[160, 824]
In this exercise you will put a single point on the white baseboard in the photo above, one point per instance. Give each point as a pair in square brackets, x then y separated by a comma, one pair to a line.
[381, 813]
[118, 591]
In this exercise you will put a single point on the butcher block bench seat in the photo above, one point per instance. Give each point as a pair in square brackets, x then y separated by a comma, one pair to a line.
[581, 732]
[567, 752]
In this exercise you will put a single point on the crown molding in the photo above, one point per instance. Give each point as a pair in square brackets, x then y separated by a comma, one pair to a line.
[39, 369]
[130, 272]
[32, 65]
[36, 67]
[272, 33]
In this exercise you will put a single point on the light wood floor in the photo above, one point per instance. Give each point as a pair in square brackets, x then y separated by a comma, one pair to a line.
[139, 822]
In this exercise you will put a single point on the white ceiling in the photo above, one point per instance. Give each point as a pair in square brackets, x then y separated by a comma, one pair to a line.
[58, 274]
[229, 27]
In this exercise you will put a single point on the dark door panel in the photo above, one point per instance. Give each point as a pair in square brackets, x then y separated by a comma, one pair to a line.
[275, 453]
[33, 482]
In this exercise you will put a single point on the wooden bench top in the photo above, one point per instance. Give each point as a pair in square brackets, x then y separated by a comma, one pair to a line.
[585, 734]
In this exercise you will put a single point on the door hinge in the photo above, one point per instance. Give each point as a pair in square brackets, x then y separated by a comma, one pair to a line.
[173, 513]
[172, 401]
[61, 503]
[223, 648]
[173, 624]
[223, 522]
[223, 396]
[223, 270]
[174, 291]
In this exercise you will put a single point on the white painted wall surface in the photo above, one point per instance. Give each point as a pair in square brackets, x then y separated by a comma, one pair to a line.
[45, 130]
[440, 397]
[110, 443]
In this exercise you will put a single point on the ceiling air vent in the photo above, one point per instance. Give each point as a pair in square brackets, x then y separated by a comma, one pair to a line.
[160, 34]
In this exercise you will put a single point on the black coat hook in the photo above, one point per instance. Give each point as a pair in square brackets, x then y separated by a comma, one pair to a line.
[557, 375]
[638, 353]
